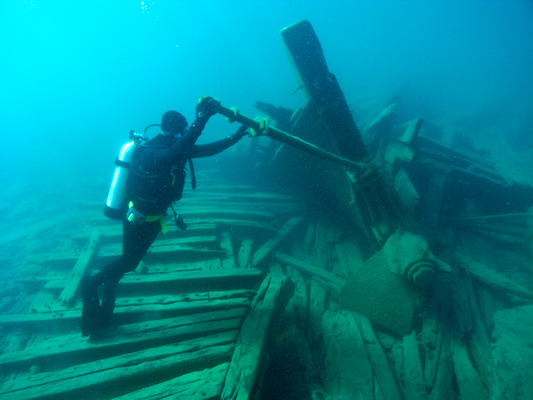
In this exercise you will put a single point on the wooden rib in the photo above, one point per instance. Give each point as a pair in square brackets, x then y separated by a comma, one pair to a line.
[74, 349]
[117, 375]
[271, 244]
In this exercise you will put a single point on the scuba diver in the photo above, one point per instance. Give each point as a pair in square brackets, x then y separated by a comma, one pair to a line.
[155, 179]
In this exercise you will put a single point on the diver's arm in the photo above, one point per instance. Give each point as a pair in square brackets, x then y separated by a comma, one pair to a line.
[210, 149]
[181, 148]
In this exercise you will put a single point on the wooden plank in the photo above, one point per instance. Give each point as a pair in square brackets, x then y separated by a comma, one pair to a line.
[73, 349]
[468, 382]
[309, 269]
[322, 87]
[443, 388]
[228, 261]
[190, 302]
[216, 279]
[491, 278]
[88, 255]
[197, 385]
[251, 345]
[298, 306]
[243, 257]
[271, 244]
[380, 365]
[51, 321]
[219, 211]
[113, 233]
[347, 365]
[133, 372]
[415, 388]
[107, 252]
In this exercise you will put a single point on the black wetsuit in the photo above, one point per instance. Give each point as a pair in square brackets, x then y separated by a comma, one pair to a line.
[156, 180]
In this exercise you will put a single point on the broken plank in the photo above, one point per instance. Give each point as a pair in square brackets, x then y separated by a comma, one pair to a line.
[347, 366]
[309, 269]
[415, 388]
[88, 255]
[174, 281]
[121, 374]
[468, 382]
[74, 349]
[250, 349]
[491, 278]
[220, 212]
[113, 233]
[271, 244]
[197, 385]
[228, 261]
[243, 257]
[382, 371]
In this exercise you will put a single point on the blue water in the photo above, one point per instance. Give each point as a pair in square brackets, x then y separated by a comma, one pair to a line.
[75, 77]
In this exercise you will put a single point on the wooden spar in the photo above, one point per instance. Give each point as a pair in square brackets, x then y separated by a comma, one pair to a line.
[233, 115]
[321, 86]
[492, 279]
[67, 296]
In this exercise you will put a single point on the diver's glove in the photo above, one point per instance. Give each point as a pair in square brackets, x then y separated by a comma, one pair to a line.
[241, 132]
[207, 107]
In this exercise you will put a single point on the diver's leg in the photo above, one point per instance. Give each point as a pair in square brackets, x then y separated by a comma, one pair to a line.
[137, 239]
[91, 314]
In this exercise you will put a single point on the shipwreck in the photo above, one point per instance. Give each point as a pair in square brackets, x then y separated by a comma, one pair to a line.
[362, 261]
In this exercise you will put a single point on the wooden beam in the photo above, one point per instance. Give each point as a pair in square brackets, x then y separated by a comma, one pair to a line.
[215, 279]
[491, 278]
[197, 385]
[272, 243]
[308, 269]
[73, 349]
[77, 273]
[380, 365]
[250, 349]
[347, 365]
[119, 375]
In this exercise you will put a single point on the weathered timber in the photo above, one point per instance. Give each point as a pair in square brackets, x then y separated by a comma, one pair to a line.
[382, 371]
[249, 354]
[73, 348]
[491, 278]
[430, 344]
[479, 344]
[270, 245]
[197, 385]
[322, 87]
[462, 313]
[415, 388]
[309, 269]
[228, 262]
[298, 306]
[88, 255]
[374, 197]
[468, 382]
[173, 281]
[347, 365]
[243, 257]
[188, 251]
[123, 373]
[443, 386]
[113, 233]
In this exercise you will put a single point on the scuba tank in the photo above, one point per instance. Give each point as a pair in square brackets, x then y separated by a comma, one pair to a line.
[114, 206]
